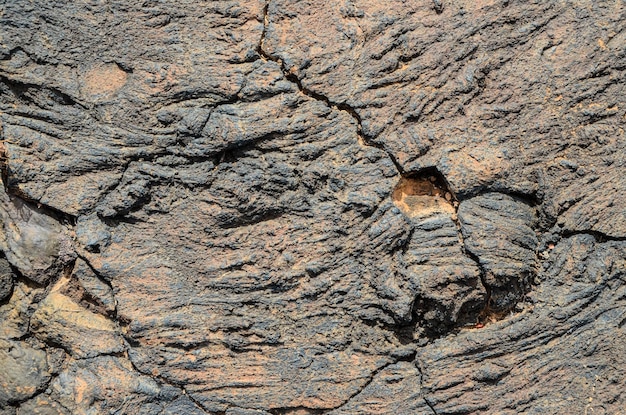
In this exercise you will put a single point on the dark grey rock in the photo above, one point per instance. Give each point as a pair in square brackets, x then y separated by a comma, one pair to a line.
[182, 405]
[6, 279]
[498, 231]
[477, 371]
[241, 411]
[25, 372]
[33, 241]
[248, 187]
[448, 282]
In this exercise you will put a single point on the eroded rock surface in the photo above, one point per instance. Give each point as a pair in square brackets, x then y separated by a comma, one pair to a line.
[33, 241]
[82, 333]
[498, 232]
[25, 371]
[6, 279]
[342, 207]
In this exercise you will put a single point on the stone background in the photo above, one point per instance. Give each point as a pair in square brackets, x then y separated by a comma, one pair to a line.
[312, 207]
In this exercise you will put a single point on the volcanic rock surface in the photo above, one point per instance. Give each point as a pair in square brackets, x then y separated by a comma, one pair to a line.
[297, 207]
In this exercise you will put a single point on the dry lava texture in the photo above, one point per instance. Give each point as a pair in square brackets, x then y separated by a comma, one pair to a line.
[313, 207]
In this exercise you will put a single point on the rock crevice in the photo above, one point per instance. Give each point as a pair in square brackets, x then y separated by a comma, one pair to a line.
[253, 208]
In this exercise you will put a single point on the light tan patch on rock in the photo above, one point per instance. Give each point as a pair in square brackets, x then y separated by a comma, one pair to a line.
[83, 333]
[103, 80]
[423, 195]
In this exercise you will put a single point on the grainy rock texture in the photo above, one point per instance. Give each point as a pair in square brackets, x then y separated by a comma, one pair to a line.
[296, 207]
[6, 279]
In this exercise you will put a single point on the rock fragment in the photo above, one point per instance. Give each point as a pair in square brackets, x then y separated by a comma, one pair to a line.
[61, 321]
[33, 241]
[15, 313]
[6, 279]
[498, 231]
[83, 389]
[97, 295]
[83, 333]
[24, 371]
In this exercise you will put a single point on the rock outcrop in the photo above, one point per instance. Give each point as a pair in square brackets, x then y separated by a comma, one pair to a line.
[342, 207]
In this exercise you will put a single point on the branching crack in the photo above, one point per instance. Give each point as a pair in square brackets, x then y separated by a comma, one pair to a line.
[102, 279]
[192, 399]
[473, 257]
[162, 380]
[119, 320]
[367, 383]
[339, 106]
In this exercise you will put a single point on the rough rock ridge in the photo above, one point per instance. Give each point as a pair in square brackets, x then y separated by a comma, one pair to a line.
[296, 207]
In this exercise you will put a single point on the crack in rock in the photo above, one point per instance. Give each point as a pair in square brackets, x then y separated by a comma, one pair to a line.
[340, 106]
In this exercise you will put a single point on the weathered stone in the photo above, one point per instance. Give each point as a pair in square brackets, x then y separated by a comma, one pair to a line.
[164, 69]
[106, 384]
[249, 186]
[56, 358]
[93, 293]
[81, 332]
[6, 279]
[497, 231]
[183, 405]
[575, 347]
[41, 405]
[240, 411]
[200, 311]
[34, 242]
[8, 410]
[448, 282]
[24, 371]
[394, 390]
[15, 314]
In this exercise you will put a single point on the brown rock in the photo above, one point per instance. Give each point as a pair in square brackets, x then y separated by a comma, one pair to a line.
[83, 333]
[291, 207]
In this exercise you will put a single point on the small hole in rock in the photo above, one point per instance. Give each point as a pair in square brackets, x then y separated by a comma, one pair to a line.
[424, 192]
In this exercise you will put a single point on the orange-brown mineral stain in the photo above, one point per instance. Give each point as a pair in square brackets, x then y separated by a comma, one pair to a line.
[416, 186]
[81, 387]
[104, 80]
[420, 195]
